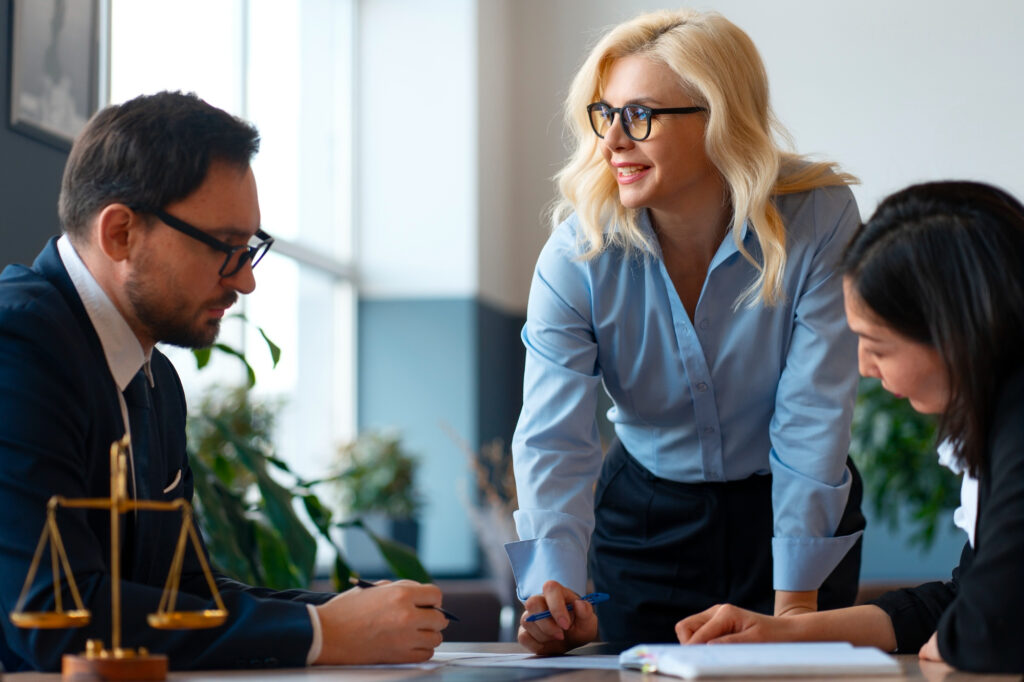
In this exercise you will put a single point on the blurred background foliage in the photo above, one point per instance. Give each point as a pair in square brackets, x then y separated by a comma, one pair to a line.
[261, 521]
[894, 448]
[377, 474]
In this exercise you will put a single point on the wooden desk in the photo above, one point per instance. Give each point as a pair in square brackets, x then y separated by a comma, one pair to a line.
[912, 669]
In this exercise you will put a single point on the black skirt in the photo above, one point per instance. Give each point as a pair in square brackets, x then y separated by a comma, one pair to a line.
[665, 550]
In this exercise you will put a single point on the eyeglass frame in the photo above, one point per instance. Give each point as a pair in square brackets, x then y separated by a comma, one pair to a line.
[255, 253]
[651, 113]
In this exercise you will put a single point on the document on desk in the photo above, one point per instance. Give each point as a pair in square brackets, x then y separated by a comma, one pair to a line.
[524, 660]
[775, 659]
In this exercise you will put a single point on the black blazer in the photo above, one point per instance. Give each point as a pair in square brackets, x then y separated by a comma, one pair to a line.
[979, 614]
[59, 413]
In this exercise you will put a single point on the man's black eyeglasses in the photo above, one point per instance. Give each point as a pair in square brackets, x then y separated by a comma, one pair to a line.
[635, 118]
[235, 256]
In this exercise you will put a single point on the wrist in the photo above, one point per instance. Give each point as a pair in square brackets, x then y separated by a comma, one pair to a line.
[793, 603]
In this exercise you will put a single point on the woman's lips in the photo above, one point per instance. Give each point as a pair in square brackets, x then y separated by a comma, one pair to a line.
[629, 173]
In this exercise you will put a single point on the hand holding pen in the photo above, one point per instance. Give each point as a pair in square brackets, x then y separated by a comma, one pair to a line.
[396, 622]
[359, 582]
[592, 598]
[558, 620]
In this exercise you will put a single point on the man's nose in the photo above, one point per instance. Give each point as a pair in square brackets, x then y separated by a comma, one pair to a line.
[243, 281]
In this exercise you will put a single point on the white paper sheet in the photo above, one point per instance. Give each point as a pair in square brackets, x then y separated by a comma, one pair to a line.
[524, 660]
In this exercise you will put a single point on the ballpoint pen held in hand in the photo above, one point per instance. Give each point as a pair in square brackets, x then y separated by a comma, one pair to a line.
[592, 598]
[359, 582]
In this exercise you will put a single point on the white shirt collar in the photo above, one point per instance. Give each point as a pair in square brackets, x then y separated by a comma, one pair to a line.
[120, 345]
[966, 515]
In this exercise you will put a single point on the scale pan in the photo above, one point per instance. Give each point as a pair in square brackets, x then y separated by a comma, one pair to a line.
[50, 620]
[187, 620]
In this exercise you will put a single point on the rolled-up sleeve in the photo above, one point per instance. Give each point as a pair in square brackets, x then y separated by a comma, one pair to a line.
[810, 429]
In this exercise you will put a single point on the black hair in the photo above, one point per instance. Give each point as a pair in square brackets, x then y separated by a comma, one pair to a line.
[942, 263]
[148, 152]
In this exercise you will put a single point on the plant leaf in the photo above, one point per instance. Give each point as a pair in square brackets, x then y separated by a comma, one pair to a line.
[400, 558]
[275, 350]
[250, 373]
[277, 503]
[202, 356]
[223, 524]
[342, 572]
[279, 572]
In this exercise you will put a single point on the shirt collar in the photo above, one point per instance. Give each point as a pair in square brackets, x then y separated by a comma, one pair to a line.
[726, 249]
[120, 345]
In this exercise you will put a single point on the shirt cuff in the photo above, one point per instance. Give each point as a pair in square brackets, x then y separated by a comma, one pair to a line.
[802, 564]
[536, 561]
[318, 636]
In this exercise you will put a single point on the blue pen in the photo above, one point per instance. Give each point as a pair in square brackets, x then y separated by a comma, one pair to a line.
[592, 598]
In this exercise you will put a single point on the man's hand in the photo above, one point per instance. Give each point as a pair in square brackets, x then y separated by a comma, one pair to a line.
[389, 623]
[727, 623]
[565, 629]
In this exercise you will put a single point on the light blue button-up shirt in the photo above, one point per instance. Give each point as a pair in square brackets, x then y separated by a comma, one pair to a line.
[737, 392]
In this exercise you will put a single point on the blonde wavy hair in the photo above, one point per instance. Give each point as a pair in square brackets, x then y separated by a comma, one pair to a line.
[719, 66]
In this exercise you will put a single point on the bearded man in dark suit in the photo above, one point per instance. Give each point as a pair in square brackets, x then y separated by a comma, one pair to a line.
[161, 232]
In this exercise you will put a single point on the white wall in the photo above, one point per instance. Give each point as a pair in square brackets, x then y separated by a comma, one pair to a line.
[416, 135]
[451, 203]
[898, 92]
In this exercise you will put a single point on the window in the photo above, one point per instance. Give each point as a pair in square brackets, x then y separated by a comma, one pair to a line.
[286, 67]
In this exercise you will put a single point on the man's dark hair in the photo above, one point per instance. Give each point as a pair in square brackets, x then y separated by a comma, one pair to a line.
[147, 153]
[942, 263]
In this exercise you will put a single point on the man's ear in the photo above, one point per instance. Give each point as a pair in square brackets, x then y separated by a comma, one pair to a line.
[116, 227]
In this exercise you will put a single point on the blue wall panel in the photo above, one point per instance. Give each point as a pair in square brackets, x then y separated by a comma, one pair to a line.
[427, 363]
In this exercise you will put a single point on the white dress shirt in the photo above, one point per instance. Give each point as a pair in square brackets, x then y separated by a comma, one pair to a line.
[125, 356]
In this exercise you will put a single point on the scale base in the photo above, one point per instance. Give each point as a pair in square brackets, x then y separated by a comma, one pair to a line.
[98, 663]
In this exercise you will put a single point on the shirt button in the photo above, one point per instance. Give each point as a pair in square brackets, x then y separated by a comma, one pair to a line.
[704, 324]
[709, 430]
[702, 387]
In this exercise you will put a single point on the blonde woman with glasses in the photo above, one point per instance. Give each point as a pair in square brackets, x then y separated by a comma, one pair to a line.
[692, 274]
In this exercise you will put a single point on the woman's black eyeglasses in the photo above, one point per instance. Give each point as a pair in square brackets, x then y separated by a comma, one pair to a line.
[235, 256]
[635, 118]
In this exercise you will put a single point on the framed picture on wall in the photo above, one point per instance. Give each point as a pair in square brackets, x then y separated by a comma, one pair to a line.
[54, 67]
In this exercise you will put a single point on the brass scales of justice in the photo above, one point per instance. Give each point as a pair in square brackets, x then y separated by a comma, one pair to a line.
[116, 663]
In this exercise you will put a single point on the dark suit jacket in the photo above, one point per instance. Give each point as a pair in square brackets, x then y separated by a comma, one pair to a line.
[59, 413]
[979, 614]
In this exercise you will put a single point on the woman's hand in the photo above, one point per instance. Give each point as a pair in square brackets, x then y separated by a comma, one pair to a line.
[795, 603]
[565, 629]
[930, 650]
[865, 625]
[727, 623]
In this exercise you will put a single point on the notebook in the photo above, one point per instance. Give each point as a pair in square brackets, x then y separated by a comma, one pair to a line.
[774, 659]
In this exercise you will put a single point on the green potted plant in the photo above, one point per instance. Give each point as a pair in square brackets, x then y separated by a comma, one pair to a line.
[894, 447]
[375, 483]
[260, 519]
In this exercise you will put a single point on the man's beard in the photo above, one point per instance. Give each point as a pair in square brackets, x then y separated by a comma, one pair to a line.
[170, 323]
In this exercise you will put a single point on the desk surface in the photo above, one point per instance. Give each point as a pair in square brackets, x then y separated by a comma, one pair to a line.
[912, 670]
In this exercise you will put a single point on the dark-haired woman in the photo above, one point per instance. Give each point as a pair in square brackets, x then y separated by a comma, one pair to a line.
[934, 287]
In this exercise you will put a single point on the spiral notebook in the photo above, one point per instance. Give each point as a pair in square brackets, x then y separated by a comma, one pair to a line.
[775, 659]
